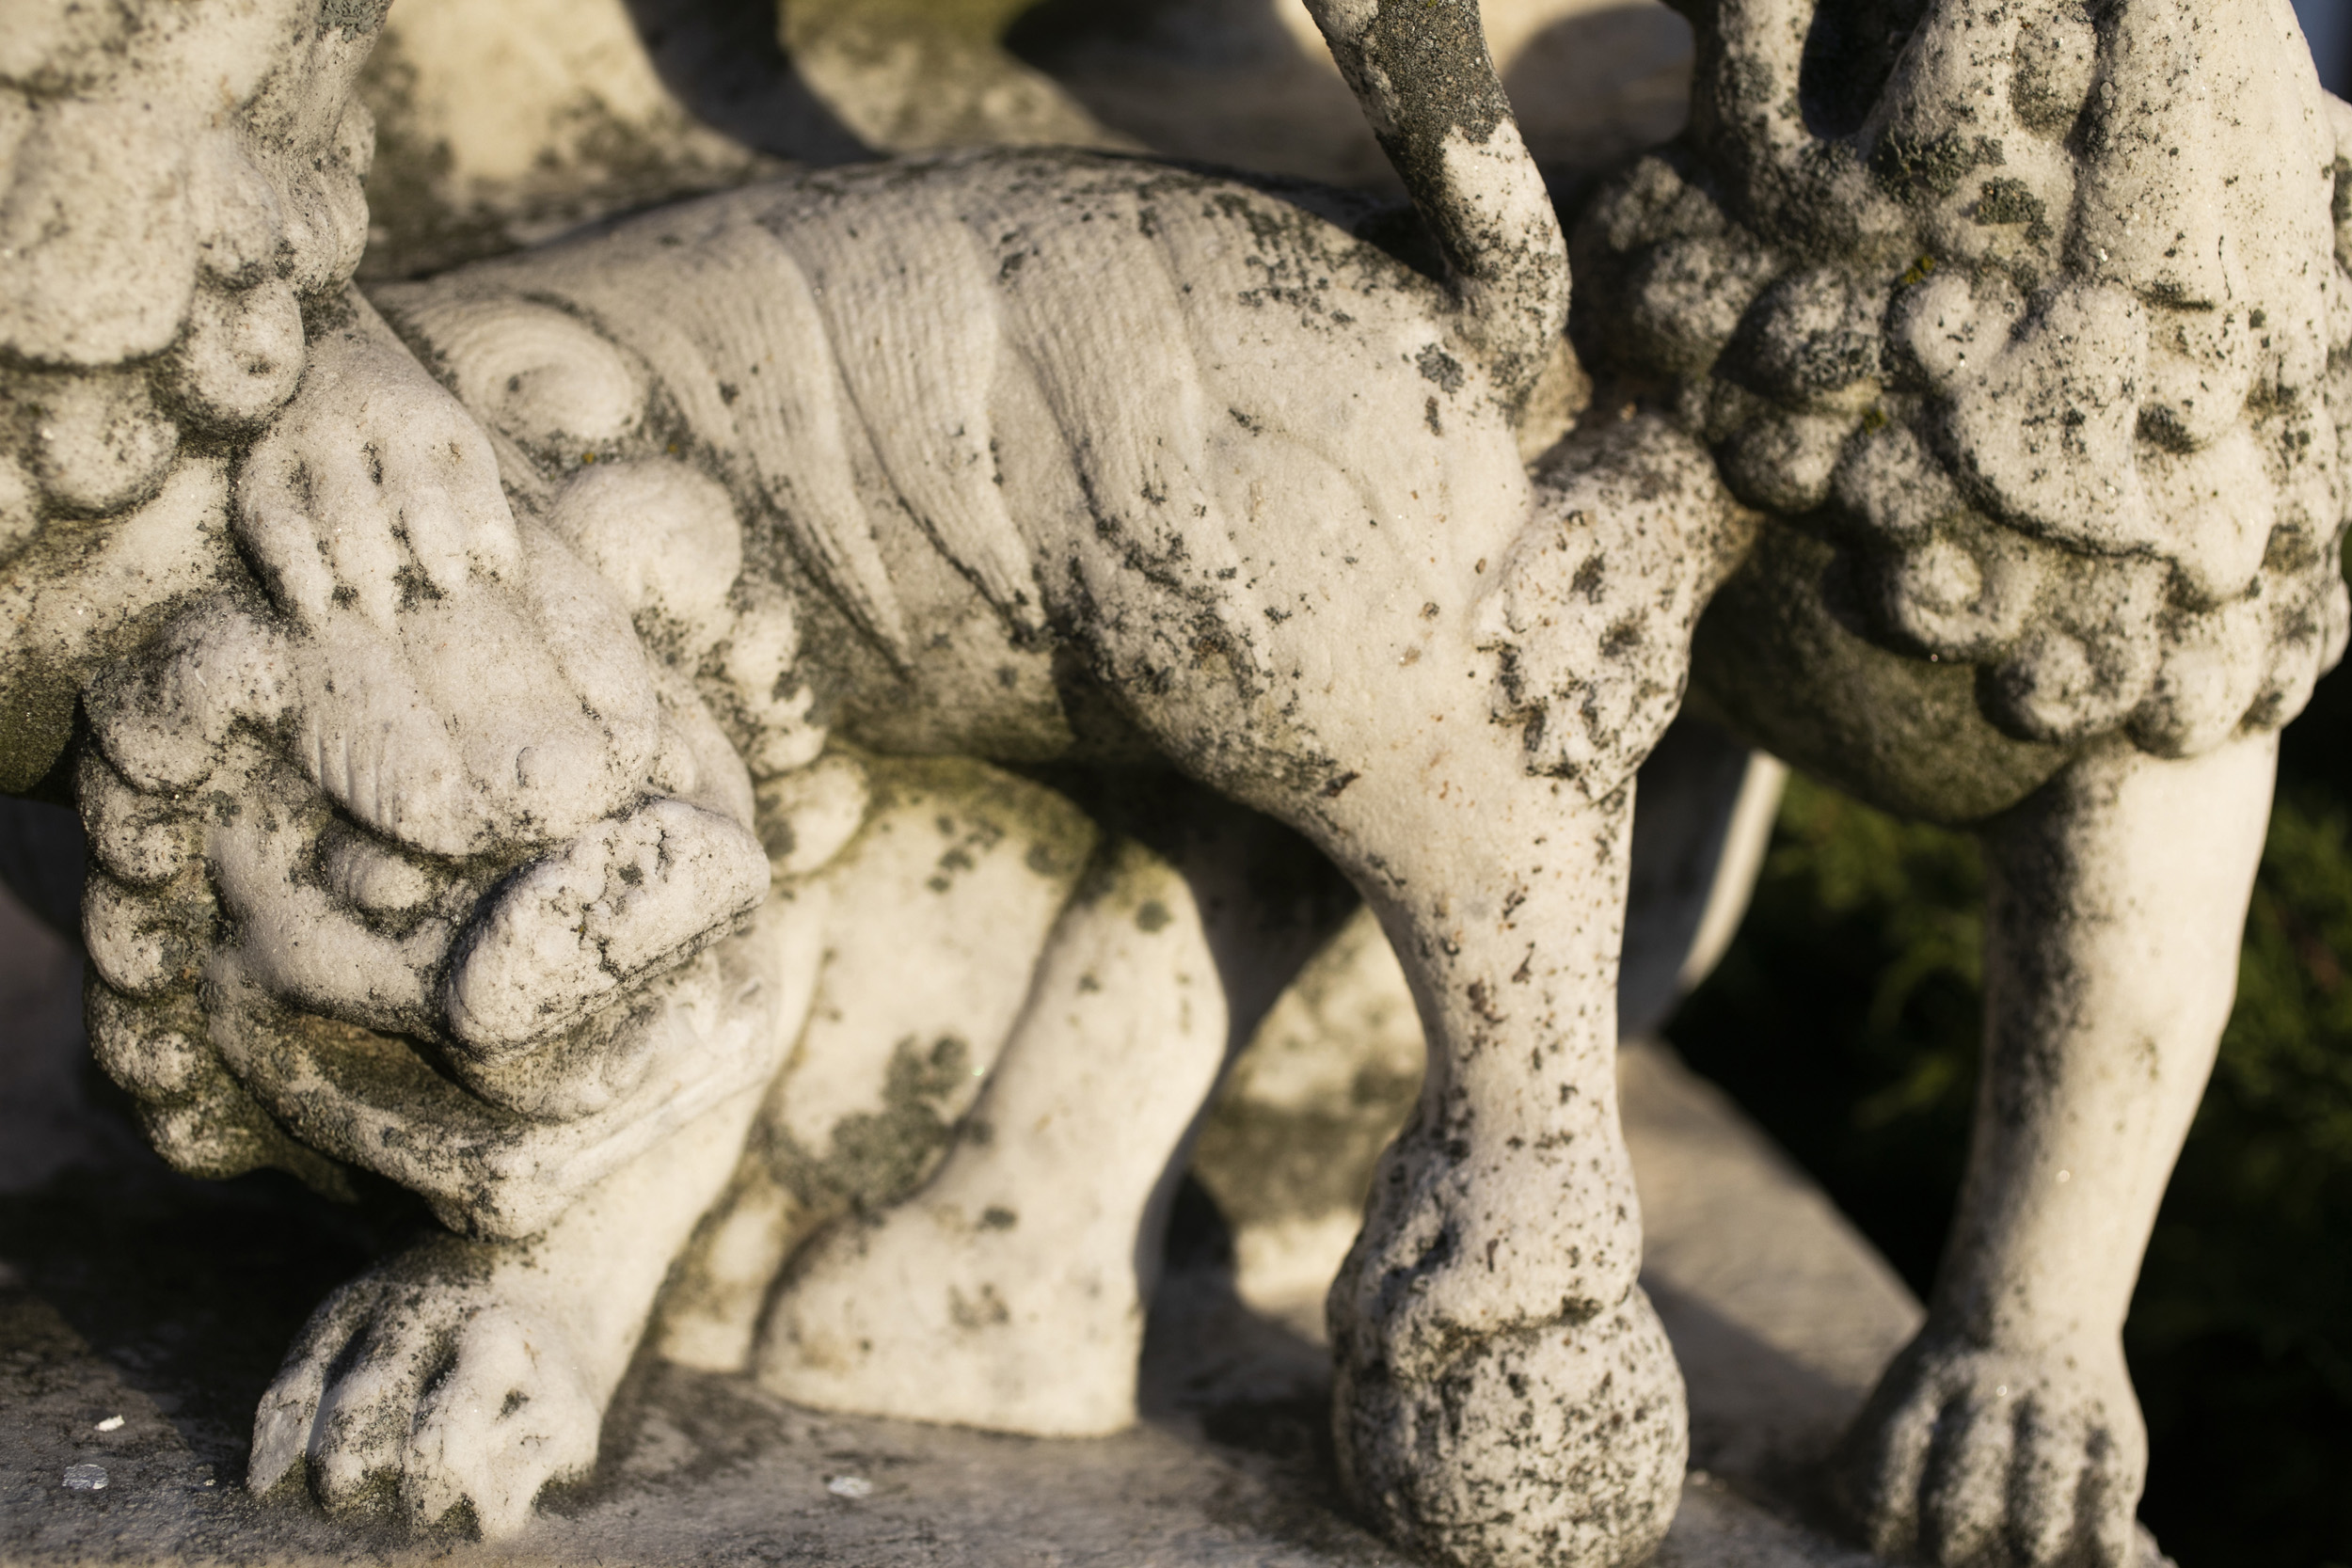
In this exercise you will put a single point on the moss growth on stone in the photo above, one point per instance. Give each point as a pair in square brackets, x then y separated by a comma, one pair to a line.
[876, 1158]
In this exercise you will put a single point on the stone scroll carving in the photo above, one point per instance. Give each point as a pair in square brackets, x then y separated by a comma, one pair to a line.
[547, 733]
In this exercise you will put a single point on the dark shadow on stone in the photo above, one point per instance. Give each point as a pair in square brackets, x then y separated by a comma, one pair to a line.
[1259, 1396]
[669, 1425]
[188, 1291]
[1227, 33]
[1591, 88]
[722, 60]
[41, 856]
[191, 1289]
[133, 1291]
[1759, 1421]
[1850, 52]
[1220, 82]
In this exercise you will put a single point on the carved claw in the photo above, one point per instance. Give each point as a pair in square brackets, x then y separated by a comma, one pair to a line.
[373, 487]
[374, 510]
[1966, 1456]
[431, 1389]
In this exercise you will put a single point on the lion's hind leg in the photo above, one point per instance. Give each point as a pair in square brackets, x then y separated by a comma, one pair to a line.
[1010, 1293]
[939, 883]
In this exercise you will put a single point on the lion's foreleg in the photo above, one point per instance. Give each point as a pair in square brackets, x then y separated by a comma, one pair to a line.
[1505, 1393]
[2119, 894]
[462, 1376]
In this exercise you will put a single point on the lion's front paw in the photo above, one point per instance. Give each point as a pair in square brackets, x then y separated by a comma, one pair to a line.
[430, 1389]
[373, 512]
[1974, 1458]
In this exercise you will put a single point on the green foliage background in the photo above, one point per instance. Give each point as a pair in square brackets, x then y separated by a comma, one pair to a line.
[1845, 1018]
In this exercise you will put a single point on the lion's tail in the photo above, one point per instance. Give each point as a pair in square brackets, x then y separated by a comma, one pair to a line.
[1421, 69]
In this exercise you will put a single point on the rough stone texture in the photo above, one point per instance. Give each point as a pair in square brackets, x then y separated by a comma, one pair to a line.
[2032, 320]
[182, 184]
[2023, 324]
[1606, 529]
[130, 1292]
[1334, 1069]
[227, 927]
[1021, 1305]
[959, 421]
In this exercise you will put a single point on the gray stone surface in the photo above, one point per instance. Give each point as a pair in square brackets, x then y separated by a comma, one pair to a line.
[126, 1291]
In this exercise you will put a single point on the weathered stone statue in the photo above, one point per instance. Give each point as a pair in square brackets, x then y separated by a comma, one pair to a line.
[2028, 336]
[543, 728]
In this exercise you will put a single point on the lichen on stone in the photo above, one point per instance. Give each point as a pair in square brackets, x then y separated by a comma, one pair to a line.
[2059, 372]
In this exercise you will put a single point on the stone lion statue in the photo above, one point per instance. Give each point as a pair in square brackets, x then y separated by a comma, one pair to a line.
[544, 732]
